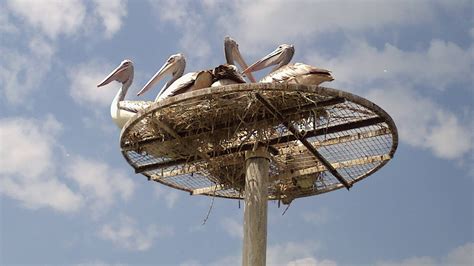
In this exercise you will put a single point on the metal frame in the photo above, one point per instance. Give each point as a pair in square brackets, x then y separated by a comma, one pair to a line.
[335, 97]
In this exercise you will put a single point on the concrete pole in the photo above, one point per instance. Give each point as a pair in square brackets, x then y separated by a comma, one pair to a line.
[255, 213]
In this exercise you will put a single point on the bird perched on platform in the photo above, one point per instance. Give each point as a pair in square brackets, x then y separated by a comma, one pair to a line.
[228, 73]
[120, 110]
[179, 83]
[297, 73]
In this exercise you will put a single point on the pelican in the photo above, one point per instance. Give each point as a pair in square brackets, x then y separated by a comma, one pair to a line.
[179, 83]
[120, 110]
[228, 73]
[297, 73]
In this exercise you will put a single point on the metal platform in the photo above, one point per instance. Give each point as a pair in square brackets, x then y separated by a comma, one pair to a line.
[320, 139]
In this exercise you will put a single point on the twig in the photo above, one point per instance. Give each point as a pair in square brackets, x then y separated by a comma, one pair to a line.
[210, 207]
[289, 204]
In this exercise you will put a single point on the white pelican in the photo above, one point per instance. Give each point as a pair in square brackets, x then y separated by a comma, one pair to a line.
[175, 66]
[120, 110]
[228, 73]
[232, 53]
[297, 73]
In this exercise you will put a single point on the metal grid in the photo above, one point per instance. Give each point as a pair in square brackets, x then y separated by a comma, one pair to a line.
[196, 141]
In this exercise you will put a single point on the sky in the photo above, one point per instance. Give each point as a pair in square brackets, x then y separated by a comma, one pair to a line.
[68, 197]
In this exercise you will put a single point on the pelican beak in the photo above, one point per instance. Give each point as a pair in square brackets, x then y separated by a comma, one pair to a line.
[117, 74]
[240, 60]
[167, 67]
[231, 51]
[229, 45]
[271, 59]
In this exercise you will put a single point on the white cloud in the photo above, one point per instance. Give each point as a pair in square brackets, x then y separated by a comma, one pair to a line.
[294, 253]
[99, 122]
[259, 23]
[289, 254]
[311, 262]
[191, 20]
[23, 70]
[33, 143]
[438, 66]
[22, 73]
[232, 227]
[20, 135]
[303, 253]
[5, 25]
[235, 260]
[422, 123]
[460, 256]
[53, 17]
[450, 138]
[172, 11]
[426, 261]
[316, 217]
[169, 195]
[194, 46]
[30, 159]
[84, 79]
[111, 13]
[126, 233]
[396, 73]
[99, 263]
[45, 192]
[27, 168]
[100, 184]
[190, 263]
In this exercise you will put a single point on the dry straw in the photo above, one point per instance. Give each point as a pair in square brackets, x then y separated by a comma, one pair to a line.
[196, 141]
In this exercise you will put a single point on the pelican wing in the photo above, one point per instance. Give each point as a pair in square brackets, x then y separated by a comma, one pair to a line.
[292, 71]
[134, 106]
[182, 84]
[228, 72]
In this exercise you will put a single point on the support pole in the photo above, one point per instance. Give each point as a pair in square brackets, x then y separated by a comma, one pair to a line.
[255, 213]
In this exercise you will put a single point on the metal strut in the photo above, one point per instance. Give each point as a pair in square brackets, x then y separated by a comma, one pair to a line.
[303, 140]
[278, 140]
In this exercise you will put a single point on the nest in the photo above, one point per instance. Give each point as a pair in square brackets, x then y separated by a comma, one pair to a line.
[196, 141]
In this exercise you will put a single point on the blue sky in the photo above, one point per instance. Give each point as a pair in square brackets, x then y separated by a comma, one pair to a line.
[69, 198]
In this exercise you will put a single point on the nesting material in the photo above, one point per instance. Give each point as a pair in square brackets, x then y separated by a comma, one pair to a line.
[196, 141]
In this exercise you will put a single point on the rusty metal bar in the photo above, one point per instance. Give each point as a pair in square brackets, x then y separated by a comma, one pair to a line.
[306, 171]
[289, 111]
[278, 140]
[303, 140]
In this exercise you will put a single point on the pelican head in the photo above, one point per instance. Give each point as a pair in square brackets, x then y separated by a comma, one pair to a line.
[123, 74]
[280, 56]
[232, 52]
[175, 66]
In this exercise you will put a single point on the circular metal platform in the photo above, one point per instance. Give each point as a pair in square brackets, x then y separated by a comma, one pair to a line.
[321, 139]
